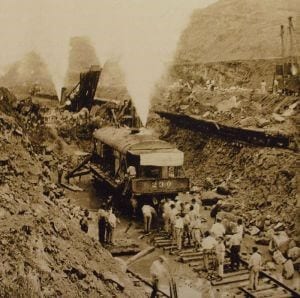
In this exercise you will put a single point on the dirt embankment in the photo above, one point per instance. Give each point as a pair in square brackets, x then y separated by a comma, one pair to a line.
[43, 251]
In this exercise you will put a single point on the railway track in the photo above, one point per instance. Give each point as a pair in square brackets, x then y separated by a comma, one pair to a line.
[236, 281]
[257, 137]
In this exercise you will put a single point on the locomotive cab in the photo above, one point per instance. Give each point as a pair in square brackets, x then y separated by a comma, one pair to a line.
[138, 164]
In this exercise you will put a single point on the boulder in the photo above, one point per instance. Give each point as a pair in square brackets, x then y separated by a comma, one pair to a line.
[288, 269]
[278, 257]
[294, 253]
[210, 198]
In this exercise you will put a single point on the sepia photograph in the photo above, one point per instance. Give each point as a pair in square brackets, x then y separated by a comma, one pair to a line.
[149, 148]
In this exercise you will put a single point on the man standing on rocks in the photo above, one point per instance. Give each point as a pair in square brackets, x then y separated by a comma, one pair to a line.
[263, 85]
[111, 226]
[102, 219]
[84, 225]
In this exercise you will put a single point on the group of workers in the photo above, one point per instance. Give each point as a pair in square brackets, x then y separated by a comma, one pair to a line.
[185, 225]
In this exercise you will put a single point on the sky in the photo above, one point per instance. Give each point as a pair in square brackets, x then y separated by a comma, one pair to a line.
[142, 33]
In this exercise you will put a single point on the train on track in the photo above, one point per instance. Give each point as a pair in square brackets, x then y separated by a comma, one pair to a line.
[137, 163]
[133, 162]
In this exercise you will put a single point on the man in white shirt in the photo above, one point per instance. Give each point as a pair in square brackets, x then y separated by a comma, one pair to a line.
[235, 247]
[179, 225]
[148, 211]
[217, 229]
[196, 206]
[220, 254]
[112, 224]
[208, 245]
[255, 263]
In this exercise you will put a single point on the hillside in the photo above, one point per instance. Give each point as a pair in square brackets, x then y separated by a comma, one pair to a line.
[235, 29]
[43, 251]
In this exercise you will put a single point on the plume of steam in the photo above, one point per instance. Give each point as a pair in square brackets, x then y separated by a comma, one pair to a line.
[143, 34]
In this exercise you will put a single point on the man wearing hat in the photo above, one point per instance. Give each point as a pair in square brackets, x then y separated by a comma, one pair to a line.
[255, 263]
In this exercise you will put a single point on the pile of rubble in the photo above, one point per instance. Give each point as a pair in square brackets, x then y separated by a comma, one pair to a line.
[235, 106]
[43, 251]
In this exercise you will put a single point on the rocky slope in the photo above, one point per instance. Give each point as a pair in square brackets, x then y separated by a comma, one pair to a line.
[43, 251]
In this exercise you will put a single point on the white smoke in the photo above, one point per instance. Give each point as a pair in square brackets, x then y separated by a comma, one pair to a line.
[143, 34]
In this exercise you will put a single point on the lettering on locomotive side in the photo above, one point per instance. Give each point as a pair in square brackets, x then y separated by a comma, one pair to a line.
[161, 184]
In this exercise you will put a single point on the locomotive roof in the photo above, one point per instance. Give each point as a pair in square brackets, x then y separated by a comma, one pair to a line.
[124, 141]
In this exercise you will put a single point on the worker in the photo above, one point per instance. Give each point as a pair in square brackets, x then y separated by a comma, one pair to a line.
[193, 214]
[134, 205]
[240, 228]
[102, 218]
[112, 221]
[178, 226]
[263, 85]
[60, 171]
[235, 247]
[217, 229]
[196, 231]
[46, 171]
[148, 212]
[255, 263]
[166, 214]
[173, 212]
[187, 228]
[196, 206]
[275, 86]
[220, 254]
[158, 272]
[84, 225]
[208, 245]
[131, 173]
[109, 202]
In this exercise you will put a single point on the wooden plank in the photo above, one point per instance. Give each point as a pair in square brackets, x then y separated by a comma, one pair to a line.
[189, 259]
[71, 187]
[191, 254]
[141, 254]
[196, 264]
[235, 273]
[232, 279]
[170, 247]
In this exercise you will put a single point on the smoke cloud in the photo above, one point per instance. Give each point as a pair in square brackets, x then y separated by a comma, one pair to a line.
[142, 33]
